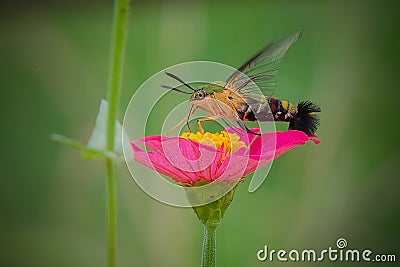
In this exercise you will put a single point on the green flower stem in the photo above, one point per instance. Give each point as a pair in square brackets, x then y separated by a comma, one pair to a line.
[121, 8]
[211, 214]
[112, 216]
[209, 245]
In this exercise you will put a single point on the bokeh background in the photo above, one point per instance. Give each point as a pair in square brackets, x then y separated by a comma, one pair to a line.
[54, 65]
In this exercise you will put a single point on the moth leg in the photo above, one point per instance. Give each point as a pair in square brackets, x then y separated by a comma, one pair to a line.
[185, 119]
[199, 121]
[175, 127]
[244, 127]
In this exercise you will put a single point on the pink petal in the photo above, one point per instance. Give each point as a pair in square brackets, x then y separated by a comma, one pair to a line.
[187, 155]
[243, 135]
[188, 161]
[160, 164]
[178, 158]
[269, 146]
[288, 140]
[264, 145]
[233, 167]
[154, 142]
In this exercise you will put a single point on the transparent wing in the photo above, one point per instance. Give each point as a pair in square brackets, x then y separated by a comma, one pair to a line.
[260, 70]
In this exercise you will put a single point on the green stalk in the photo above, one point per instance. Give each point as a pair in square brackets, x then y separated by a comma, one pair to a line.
[111, 213]
[210, 216]
[121, 8]
[209, 245]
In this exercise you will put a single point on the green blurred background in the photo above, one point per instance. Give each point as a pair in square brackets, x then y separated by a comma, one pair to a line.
[54, 63]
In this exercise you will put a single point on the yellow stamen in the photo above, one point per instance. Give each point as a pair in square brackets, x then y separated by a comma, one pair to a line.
[229, 142]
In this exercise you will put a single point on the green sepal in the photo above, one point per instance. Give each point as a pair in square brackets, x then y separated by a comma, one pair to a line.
[213, 212]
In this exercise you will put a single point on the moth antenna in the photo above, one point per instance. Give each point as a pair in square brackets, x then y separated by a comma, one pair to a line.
[175, 89]
[179, 80]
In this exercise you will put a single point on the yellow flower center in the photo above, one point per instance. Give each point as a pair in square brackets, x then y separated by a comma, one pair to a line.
[229, 142]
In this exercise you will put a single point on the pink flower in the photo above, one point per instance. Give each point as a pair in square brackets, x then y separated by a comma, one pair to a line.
[221, 156]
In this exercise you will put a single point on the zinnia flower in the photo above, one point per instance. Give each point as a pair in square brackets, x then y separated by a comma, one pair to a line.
[195, 158]
[217, 161]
